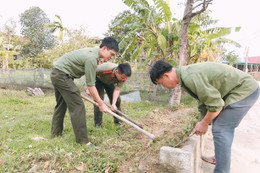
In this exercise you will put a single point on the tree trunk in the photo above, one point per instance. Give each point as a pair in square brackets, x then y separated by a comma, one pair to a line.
[183, 51]
[175, 97]
[5, 62]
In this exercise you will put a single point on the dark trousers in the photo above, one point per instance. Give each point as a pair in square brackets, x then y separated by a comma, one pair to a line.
[109, 90]
[68, 96]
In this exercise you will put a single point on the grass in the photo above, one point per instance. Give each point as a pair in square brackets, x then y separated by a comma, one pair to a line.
[25, 143]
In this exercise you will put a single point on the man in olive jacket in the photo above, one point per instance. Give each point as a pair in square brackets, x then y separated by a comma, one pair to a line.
[110, 77]
[74, 65]
[225, 95]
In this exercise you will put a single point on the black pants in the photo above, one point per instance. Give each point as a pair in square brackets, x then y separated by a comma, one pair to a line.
[68, 96]
[109, 90]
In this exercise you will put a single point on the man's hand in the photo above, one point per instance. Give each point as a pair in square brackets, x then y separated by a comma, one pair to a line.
[94, 94]
[113, 108]
[88, 93]
[201, 128]
[116, 94]
[102, 107]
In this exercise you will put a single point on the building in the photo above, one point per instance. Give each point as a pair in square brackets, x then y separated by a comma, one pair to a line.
[249, 64]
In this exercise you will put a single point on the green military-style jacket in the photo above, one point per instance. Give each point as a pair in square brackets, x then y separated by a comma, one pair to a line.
[215, 85]
[106, 73]
[80, 62]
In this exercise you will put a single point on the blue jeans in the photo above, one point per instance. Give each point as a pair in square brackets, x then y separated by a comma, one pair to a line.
[223, 129]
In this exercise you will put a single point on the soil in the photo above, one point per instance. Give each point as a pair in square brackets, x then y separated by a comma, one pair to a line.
[166, 125]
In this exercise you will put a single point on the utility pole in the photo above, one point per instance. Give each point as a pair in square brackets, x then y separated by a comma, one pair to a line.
[246, 56]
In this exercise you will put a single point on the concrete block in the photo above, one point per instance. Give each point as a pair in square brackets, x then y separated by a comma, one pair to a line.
[181, 160]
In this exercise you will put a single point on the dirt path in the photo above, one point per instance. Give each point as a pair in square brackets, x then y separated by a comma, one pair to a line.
[246, 146]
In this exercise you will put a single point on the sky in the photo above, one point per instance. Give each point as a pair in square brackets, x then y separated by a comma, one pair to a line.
[96, 15]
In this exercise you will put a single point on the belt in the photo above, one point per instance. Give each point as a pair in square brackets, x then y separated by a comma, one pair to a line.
[68, 75]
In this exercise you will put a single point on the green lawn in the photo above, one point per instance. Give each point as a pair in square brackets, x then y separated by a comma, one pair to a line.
[25, 143]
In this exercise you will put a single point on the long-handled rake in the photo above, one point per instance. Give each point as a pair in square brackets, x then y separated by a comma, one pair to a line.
[151, 136]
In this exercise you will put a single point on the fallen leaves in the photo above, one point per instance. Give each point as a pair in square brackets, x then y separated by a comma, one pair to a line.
[46, 164]
[39, 138]
[107, 170]
[10, 130]
[82, 167]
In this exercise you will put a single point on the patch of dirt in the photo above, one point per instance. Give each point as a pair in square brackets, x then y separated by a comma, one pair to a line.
[165, 125]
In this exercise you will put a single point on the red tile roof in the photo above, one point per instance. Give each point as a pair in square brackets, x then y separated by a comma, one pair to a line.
[255, 59]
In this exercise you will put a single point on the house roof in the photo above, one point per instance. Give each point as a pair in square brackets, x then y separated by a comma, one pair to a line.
[255, 59]
[250, 61]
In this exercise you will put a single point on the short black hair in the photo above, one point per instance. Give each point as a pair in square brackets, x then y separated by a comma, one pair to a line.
[124, 68]
[110, 43]
[158, 69]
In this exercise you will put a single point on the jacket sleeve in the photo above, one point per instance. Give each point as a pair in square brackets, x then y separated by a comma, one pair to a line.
[90, 71]
[202, 109]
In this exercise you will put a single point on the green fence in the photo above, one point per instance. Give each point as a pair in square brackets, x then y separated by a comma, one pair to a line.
[40, 77]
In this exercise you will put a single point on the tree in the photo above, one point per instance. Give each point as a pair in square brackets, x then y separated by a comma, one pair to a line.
[120, 31]
[57, 25]
[147, 24]
[8, 47]
[40, 37]
[77, 39]
[231, 58]
[192, 9]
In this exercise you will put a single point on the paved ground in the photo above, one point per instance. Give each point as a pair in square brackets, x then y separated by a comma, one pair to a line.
[246, 145]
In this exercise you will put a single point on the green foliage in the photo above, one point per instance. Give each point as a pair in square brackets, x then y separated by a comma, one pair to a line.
[9, 44]
[162, 43]
[33, 23]
[57, 25]
[157, 34]
[164, 9]
[21, 63]
[77, 39]
[205, 40]
[147, 25]
[118, 31]
[231, 57]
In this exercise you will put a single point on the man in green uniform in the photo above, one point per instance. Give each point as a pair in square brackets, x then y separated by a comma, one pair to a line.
[74, 65]
[110, 77]
[225, 95]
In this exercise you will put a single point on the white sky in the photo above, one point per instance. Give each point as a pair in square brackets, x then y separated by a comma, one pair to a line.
[95, 15]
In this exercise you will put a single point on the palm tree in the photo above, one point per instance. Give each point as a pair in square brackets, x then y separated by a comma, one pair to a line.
[57, 25]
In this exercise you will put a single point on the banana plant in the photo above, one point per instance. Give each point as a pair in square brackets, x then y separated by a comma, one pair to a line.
[57, 25]
[148, 23]
[205, 43]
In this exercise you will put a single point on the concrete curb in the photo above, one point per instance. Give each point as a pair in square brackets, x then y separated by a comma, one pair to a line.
[182, 160]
